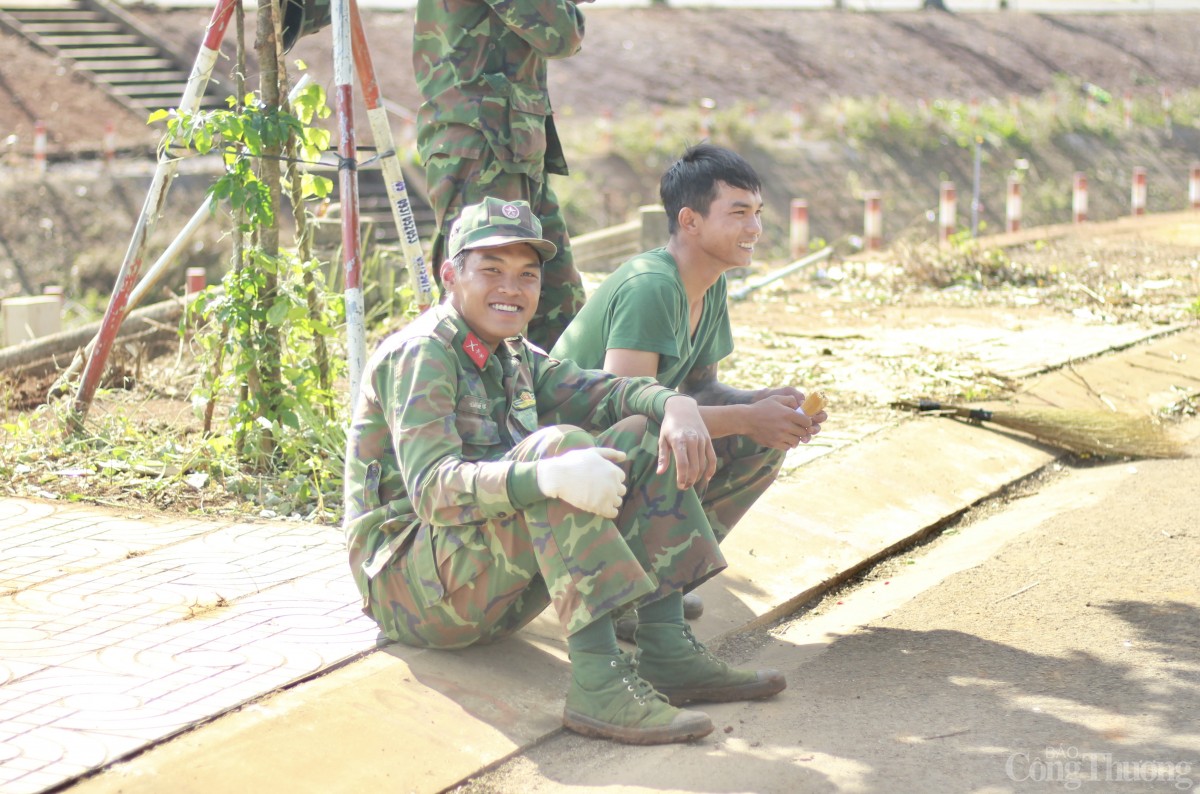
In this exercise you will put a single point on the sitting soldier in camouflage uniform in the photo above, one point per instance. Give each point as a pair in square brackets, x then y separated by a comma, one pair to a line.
[477, 494]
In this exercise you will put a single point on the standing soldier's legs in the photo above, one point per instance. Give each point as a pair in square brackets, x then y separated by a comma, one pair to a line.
[455, 182]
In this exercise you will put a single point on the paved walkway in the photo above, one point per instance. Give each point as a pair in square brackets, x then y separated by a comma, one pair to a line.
[118, 631]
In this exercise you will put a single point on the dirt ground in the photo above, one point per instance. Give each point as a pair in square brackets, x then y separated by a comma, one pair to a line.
[634, 58]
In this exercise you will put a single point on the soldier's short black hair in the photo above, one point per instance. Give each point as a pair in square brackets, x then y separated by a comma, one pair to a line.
[692, 181]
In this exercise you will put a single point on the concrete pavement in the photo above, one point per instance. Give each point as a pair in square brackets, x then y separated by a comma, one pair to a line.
[122, 633]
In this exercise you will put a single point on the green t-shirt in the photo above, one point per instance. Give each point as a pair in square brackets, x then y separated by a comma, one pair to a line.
[642, 306]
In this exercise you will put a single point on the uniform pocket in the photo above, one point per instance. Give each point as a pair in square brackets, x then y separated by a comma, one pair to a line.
[445, 560]
[513, 119]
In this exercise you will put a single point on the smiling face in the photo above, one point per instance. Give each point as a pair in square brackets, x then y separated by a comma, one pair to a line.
[728, 232]
[497, 291]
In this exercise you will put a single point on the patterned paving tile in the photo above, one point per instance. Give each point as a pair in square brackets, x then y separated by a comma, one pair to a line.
[117, 631]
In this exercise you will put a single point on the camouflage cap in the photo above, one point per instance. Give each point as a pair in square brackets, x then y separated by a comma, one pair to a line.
[494, 222]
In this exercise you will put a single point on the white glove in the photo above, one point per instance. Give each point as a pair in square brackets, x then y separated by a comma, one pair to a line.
[589, 479]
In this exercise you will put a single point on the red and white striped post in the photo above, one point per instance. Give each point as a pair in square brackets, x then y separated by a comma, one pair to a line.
[1012, 205]
[1194, 186]
[1137, 193]
[110, 142]
[197, 280]
[947, 212]
[973, 111]
[705, 128]
[39, 146]
[797, 122]
[752, 115]
[1166, 107]
[799, 228]
[57, 291]
[872, 220]
[164, 174]
[343, 79]
[1127, 106]
[1079, 201]
[606, 129]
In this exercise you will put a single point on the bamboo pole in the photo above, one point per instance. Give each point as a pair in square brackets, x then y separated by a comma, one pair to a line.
[163, 175]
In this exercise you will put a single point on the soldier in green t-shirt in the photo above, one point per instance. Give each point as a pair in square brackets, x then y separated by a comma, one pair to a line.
[485, 480]
[663, 314]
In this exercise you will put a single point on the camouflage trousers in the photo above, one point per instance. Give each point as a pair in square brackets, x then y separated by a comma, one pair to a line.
[457, 586]
[744, 472]
[455, 182]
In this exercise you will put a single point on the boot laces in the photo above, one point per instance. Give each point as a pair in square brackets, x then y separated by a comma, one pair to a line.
[700, 647]
[642, 689]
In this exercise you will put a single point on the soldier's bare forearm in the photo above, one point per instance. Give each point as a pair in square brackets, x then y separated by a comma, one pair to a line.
[702, 384]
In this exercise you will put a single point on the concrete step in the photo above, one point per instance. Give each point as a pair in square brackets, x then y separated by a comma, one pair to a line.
[141, 77]
[127, 67]
[61, 28]
[70, 40]
[111, 53]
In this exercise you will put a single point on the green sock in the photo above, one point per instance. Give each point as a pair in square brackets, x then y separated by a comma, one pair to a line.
[599, 636]
[668, 609]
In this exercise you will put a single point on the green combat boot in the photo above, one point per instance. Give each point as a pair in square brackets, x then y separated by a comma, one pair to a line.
[610, 700]
[680, 667]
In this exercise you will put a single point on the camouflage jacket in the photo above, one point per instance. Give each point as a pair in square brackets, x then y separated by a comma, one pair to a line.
[433, 423]
[481, 68]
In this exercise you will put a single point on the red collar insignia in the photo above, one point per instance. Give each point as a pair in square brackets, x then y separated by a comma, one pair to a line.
[475, 350]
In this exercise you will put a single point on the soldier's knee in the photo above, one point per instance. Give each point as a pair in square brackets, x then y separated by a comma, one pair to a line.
[558, 439]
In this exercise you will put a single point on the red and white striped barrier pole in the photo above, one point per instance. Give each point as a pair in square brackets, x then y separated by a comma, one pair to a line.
[1137, 193]
[797, 120]
[1127, 106]
[1194, 186]
[1012, 205]
[799, 228]
[705, 127]
[343, 78]
[110, 142]
[164, 173]
[39, 147]
[947, 212]
[57, 291]
[197, 280]
[872, 220]
[1079, 201]
[973, 111]
[606, 129]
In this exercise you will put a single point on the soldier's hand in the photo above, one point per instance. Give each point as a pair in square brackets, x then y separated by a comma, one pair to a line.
[685, 436]
[589, 479]
[776, 423]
